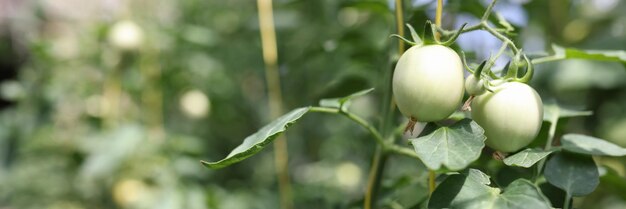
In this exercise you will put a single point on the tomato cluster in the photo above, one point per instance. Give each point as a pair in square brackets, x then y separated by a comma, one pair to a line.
[428, 86]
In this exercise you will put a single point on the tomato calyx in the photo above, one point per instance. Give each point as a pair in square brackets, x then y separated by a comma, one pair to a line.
[428, 36]
[511, 69]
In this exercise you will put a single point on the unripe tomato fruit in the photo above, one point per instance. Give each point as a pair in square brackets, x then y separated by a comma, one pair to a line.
[474, 86]
[511, 116]
[428, 82]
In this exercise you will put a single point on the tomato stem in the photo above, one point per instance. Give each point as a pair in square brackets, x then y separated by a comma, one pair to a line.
[566, 202]
[431, 182]
[410, 125]
[468, 103]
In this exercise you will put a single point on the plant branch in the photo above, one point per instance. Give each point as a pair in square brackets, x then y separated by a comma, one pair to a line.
[498, 35]
[493, 59]
[550, 58]
[373, 131]
[548, 146]
[566, 202]
[386, 145]
[488, 11]
[378, 163]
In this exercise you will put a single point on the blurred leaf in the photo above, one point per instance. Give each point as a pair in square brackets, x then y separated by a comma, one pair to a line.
[470, 190]
[379, 7]
[577, 175]
[257, 141]
[614, 181]
[590, 145]
[600, 55]
[552, 112]
[527, 157]
[343, 102]
[454, 147]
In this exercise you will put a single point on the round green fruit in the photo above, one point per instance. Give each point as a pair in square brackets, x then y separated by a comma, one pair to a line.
[428, 82]
[474, 86]
[511, 116]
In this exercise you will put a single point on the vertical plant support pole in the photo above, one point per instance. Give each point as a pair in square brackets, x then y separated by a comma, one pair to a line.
[431, 174]
[438, 16]
[378, 162]
[270, 57]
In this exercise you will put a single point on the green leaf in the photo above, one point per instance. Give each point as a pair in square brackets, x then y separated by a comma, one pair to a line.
[257, 141]
[561, 53]
[343, 102]
[590, 145]
[576, 175]
[470, 191]
[454, 147]
[600, 55]
[527, 157]
[552, 112]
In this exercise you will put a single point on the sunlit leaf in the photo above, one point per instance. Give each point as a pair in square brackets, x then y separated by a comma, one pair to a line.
[527, 157]
[469, 190]
[257, 141]
[576, 175]
[590, 145]
[454, 147]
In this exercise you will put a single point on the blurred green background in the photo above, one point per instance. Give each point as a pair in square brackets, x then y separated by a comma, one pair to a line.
[112, 103]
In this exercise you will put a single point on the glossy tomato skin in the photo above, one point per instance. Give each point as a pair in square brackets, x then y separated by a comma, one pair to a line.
[511, 116]
[428, 82]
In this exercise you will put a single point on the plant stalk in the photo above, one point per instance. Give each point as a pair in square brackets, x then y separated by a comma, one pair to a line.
[431, 173]
[378, 162]
[566, 202]
[270, 58]
[387, 146]
[548, 146]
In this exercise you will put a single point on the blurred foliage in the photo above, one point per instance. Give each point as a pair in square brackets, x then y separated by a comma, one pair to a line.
[87, 122]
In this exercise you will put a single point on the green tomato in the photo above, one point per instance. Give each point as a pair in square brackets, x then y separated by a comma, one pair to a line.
[474, 86]
[511, 116]
[428, 82]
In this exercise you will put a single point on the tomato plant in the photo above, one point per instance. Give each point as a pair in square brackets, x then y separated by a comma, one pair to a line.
[313, 104]
[507, 115]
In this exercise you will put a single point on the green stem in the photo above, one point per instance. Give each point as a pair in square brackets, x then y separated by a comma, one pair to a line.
[498, 35]
[431, 182]
[548, 146]
[488, 11]
[378, 163]
[493, 59]
[387, 146]
[377, 136]
[566, 202]
[551, 58]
